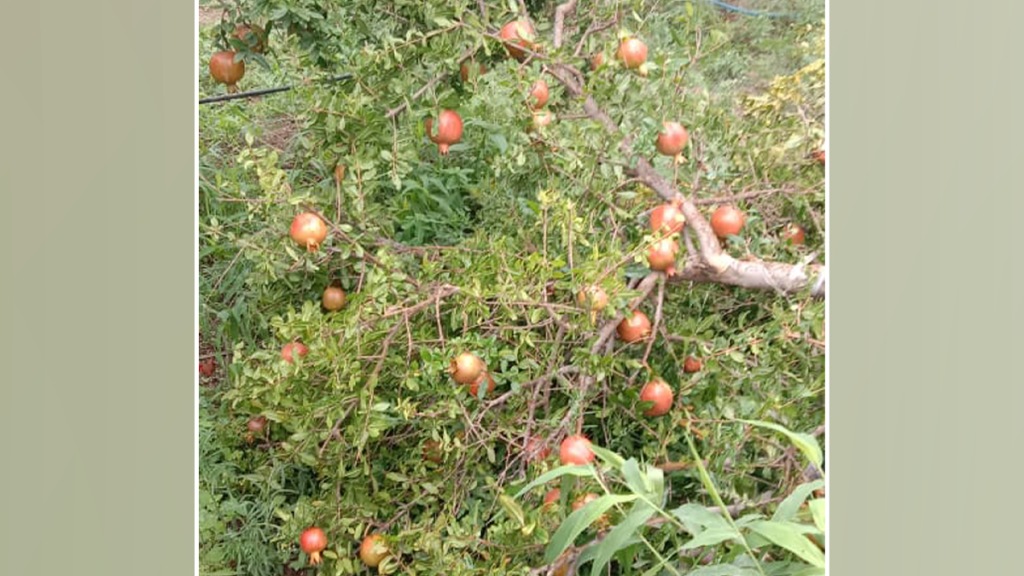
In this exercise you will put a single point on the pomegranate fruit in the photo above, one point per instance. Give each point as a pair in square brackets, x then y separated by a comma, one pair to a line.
[334, 298]
[634, 327]
[252, 36]
[632, 52]
[575, 450]
[538, 94]
[207, 367]
[691, 365]
[819, 155]
[661, 256]
[308, 230]
[793, 234]
[291, 349]
[659, 393]
[449, 130]
[517, 35]
[373, 550]
[542, 118]
[256, 424]
[667, 218]
[672, 139]
[597, 60]
[727, 221]
[474, 388]
[584, 500]
[471, 70]
[552, 496]
[593, 297]
[313, 541]
[226, 70]
[466, 368]
[536, 449]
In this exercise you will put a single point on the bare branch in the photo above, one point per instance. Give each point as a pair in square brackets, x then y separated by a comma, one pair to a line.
[429, 85]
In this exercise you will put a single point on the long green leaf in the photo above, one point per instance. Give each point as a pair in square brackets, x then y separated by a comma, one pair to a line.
[791, 505]
[791, 537]
[619, 536]
[804, 442]
[550, 475]
[579, 520]
[723, 570]
[817, 507]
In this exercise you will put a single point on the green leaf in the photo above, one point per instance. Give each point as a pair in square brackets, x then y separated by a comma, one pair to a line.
[804, 442]
[579, 520]
[817, 507]
[636, 481]
[622, 535]
[512, 509]
[791, 537]
[608, 456]
[712, 536]
[724, 570]
[791, 505]
[585, 470]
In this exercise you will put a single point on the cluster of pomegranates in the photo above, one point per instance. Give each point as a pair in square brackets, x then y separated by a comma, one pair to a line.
[468, 369]
[372, 550]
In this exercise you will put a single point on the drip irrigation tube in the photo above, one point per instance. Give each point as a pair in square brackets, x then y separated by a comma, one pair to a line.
[253, 93]
[749, 12]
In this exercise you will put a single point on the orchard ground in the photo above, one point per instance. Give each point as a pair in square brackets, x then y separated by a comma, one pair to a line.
[485, 250]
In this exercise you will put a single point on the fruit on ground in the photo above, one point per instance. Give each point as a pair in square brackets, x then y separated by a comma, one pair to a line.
[226, 69]
[207, 367]
[334, 298]
[449, 130]
[373, 550]
[691, 365]
[667, 219]
[308, 230]
[575, 449]
[727, 221]
[539, 94]
[632, 52]
[793, 234]
[256, 424]
[466, 368]
[313, 541]
[672, 139]
[660, 394]
[517, 35]
[634, 327]
[292, 349]
[661, 256]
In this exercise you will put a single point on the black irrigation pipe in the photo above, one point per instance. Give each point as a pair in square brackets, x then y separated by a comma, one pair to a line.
[253, 93]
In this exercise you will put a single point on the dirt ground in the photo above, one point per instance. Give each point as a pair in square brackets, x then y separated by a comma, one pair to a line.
[208, 16]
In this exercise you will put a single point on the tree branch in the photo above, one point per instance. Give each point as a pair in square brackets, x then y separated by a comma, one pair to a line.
[713, 263]
[560, 12]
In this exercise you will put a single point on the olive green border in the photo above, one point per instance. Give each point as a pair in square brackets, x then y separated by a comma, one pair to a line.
[97, 288]
[924, 166]
[97, 308]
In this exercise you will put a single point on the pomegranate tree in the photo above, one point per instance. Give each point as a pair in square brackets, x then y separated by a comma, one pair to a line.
[449, 130]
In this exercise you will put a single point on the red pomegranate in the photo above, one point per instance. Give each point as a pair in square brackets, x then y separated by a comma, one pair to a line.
[449, 130]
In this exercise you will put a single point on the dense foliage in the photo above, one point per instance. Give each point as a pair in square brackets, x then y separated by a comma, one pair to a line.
[485, 250]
